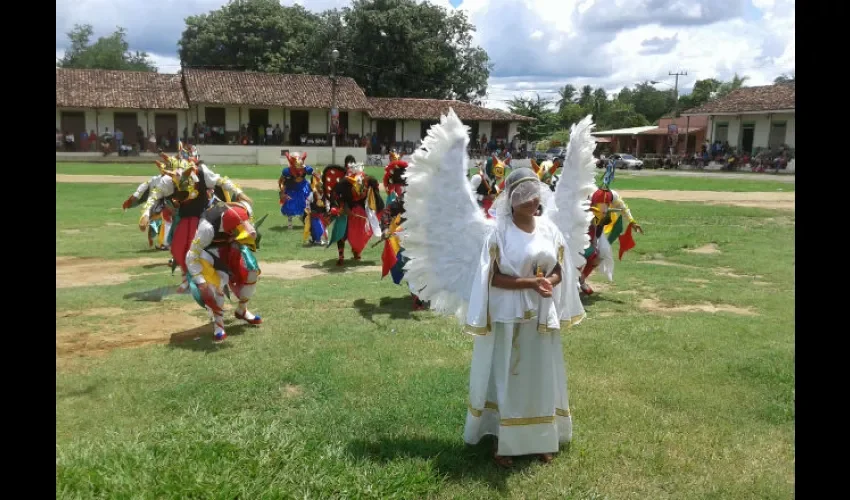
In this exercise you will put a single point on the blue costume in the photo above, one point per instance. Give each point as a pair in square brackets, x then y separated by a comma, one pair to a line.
[294, 187]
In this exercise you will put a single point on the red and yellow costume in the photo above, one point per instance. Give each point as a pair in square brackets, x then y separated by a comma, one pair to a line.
[355, 202]
[189, 186]
[612, 221]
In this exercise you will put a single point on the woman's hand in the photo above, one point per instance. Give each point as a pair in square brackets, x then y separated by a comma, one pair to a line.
[543, 287]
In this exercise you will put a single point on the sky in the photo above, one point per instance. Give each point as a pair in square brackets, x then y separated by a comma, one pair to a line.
[536, 46]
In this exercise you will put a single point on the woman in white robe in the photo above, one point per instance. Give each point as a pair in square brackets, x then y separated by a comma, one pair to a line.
[525, 293]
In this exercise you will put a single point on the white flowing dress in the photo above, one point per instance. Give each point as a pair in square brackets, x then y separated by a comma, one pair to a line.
[518, 381]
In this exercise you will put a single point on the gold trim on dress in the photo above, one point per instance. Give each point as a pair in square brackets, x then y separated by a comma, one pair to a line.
[490, 405]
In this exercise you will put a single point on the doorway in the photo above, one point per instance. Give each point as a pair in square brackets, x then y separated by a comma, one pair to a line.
[73, 122]
[386, 132]
[165, 128]
[258, 118]
[299, 125]
[128, 124]
[748, 133]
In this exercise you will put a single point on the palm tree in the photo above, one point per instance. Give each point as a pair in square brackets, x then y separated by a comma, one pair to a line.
[585, 100]
[566, 96]
[734, 84]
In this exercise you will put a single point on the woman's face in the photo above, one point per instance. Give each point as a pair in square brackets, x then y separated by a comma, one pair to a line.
[527, 209]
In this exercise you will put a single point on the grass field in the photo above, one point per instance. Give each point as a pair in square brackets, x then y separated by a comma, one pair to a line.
[681, 379]
[623, 180]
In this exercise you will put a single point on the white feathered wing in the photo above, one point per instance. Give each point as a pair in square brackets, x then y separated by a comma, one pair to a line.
[573, 190]
[446, 229]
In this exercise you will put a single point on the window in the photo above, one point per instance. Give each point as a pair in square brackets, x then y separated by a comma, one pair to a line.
[777, 135]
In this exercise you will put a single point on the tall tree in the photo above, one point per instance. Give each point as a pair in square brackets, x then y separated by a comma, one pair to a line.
[546, 121]
[566, 95]
[702, 93]
[650, 102]
[108, 52]
[600, 101]
[257, 35]
[734, 84]
[406, 48]
[585, 99]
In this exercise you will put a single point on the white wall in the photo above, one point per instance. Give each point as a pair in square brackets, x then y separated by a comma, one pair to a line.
[762, 128]
[270, 155]
[485, 127]
[513, 129]
[356, 121]
[319, 121]
[411, 130]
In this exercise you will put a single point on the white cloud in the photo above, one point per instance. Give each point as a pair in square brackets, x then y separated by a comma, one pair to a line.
[603, 43]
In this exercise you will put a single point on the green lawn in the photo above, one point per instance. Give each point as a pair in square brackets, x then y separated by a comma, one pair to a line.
[623, 179]
[344, 393]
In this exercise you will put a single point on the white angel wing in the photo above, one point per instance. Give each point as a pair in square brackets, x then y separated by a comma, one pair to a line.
[446, 229]
[575, 185]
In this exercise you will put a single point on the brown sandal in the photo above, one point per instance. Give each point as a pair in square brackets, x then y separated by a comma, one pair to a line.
[502, 461]
[546, 458]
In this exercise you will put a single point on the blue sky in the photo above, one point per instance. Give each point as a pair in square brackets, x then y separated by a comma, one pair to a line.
[536, 46]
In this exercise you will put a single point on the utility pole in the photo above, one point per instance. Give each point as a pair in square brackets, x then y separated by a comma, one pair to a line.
[334, 111]
[676, 92]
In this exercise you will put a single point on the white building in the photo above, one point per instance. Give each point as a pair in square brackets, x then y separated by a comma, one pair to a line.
[100, 101]
[752, 118]
[236, 105]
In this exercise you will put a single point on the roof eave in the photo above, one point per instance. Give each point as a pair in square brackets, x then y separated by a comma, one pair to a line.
[733, 113]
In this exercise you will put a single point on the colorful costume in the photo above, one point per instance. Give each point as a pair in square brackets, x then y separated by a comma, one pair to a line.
[222, 255]
[609, 214]
[518, 382]
[546, 171]
[394, 177]
[315, 214]
[392, 258]
[189, 186]
[488, 183]
[161, 212]
[355, 200]
[294, 187]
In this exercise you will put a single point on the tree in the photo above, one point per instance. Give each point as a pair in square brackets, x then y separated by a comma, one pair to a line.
[785, 78]
[566, 95]
[649, 101]
[571, 114]
[619, 114]
[585, 99]
[546, 121]
[734, 84]
[403, 48]
[600, 101]
[257, 35]
[701, 93]
[108, 52]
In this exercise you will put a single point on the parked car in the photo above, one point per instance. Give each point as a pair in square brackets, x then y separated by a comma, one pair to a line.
[626, 161]
[553, 153]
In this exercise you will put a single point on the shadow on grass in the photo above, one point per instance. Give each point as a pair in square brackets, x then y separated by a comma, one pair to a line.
[394, 307]
[451, 459]
[201, 338]
[329, 265]
[589, 300]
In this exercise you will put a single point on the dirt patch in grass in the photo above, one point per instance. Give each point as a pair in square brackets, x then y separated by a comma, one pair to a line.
[708, 249]
[128, 328]
[75, 272]
[655, 305]
[661, 262]
[774, 200]
[290, 391]
[303, 269]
